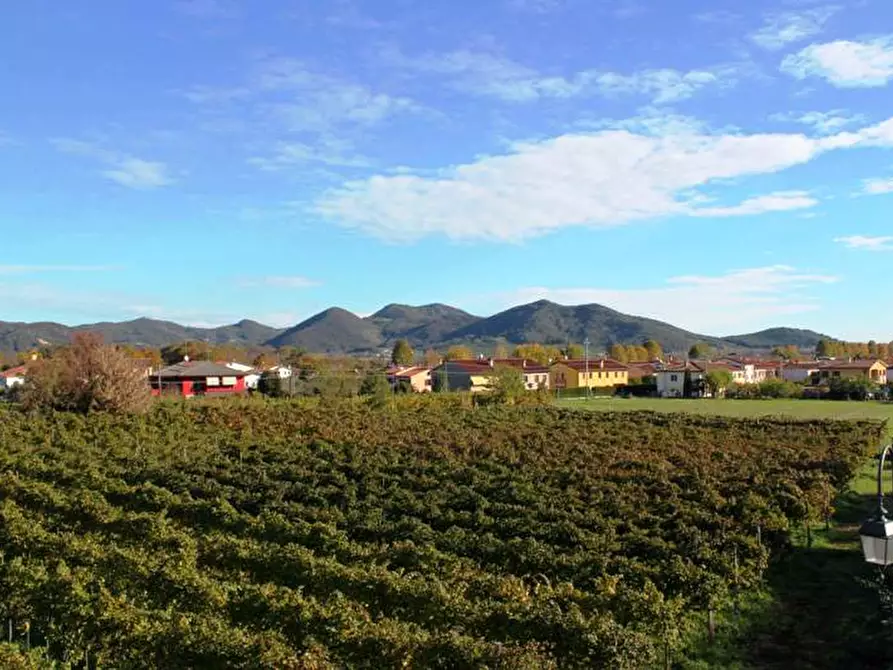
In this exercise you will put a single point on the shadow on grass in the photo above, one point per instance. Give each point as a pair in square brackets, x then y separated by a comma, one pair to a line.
[821, 615]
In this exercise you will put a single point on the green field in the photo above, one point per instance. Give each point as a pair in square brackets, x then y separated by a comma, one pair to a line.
[803, 409]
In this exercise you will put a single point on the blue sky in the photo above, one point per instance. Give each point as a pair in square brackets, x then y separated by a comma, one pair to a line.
[720, 165]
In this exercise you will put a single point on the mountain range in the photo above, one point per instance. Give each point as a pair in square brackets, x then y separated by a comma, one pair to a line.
[336, 330]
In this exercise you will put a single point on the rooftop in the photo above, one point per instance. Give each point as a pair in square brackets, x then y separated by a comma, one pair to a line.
[198, 369]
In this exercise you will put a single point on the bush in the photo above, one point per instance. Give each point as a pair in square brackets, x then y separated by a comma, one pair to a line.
[84, 377]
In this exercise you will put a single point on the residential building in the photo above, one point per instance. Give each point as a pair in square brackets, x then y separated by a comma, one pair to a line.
[689, 380]
[416, 378]
[801, 372]
[534, 375]
[642, 373]
[252, 376]
[12, 377]
[872, 369]
[596, 373]
[191, 378]
[764, 370]
[473, 375]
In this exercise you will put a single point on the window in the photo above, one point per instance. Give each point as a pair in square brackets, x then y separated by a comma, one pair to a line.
[674, 378]
[229, 381]
[212, 381]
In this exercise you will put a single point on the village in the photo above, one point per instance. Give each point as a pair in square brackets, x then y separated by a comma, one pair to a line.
[663, 378]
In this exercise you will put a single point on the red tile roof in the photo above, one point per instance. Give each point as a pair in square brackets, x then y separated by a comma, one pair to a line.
[863, 364]
[18, 371]
[595, 364]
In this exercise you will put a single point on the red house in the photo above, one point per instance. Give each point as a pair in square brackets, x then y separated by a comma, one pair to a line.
[197, 378]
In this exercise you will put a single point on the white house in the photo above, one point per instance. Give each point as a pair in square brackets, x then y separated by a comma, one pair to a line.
[800, 372]
[671, 381]
[283, 371]
[252, 376]
[12, 377]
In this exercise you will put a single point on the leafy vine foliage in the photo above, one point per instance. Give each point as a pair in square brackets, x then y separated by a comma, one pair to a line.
[281, 535]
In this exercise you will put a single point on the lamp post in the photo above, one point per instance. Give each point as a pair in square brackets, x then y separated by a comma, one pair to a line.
[877, 532]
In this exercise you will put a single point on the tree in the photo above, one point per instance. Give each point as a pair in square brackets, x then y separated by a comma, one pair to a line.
[619, 353]
[270, 384]
[84, 377]
[432, 358]
[718, 380]
[654, 349]
[459, 352]
[377, 389]
[507, 383]
[402, 353]
[700, 350]
[534, 351]
[788, 352]
[575, 351]
[500, 351]
[263, 361]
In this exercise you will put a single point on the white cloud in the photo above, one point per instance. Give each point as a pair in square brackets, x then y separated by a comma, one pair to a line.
[123, 169]
[596, 179]
[824, 123]
[139, 174]
[287, 155]
[867, 243]
[33, 269]
[844, 63]
[877, 186]
[781, 201]
[280, 281]
[207, 9]
[785, 27]
[738, 300]
[494, 76]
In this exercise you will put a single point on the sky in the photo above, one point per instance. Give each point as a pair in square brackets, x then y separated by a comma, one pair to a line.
[720, 165]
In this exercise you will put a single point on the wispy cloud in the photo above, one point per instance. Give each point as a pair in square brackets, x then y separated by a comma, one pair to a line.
[36, 269]
[867, 243]
[207, 9]
[288, 155]
[606, 178]
[492, 75]
[822, 122]
[846, 64]
[122, 169]
[743, 298]
[783, 28]
[279, 281]
[534, 6]
[877, 186]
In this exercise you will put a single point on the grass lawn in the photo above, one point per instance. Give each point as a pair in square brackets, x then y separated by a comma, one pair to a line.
[803, 409]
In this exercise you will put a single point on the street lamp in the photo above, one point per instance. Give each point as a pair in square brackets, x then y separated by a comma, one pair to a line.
[877, 532]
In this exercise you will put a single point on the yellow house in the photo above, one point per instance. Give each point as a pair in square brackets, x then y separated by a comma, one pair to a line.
[872, 369]
[571, 374]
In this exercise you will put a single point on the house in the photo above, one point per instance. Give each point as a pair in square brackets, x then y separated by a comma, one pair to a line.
[12, 377]
[252, 376]
[596, 373]
[801, 372]
[191, 378]
[689, 380]
[143, 366]
[416, 378]
[534, 375]
[872, 369]
[473, 375]
[283, 371]
[642, 373]
[764, 370]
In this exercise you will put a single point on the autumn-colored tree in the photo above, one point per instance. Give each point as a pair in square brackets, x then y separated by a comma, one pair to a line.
[432, 358]
[500, 351]
[402, 353]
[637, 354]
[534, 351]
[84, 377]
[619, 353]
[507, 384]
[575, 351]
[264, 361]
[700, 350]
[654, 349]
[459, 352]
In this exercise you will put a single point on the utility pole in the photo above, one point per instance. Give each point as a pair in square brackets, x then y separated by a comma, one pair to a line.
[588, 381]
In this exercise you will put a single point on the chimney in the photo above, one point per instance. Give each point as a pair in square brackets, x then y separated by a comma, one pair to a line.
[186, 358]
[601, 363]
[490, 361]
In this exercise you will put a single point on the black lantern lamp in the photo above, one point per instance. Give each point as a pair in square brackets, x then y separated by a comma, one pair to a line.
[877, 532]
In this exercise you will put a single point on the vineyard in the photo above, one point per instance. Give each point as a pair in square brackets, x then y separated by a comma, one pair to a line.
[274, 535]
